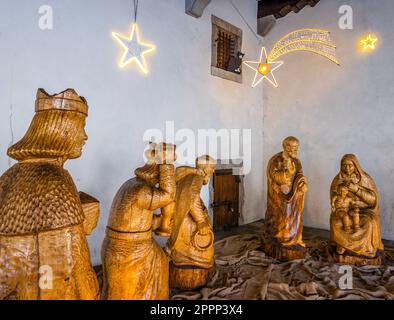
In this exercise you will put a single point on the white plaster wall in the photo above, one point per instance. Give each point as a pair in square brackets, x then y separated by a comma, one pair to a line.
[337, 110]
[80, 53]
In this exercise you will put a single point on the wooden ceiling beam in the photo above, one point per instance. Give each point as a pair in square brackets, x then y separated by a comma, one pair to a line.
[280, 8]
[268, 11]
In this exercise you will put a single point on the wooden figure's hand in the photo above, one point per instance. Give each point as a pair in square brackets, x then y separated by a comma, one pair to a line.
[204, 228]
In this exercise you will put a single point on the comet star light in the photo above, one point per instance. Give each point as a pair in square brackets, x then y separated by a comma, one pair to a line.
[264, 69]
[317, 41]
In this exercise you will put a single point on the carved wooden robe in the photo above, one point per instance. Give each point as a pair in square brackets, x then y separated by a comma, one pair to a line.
[284, 211]
[190, 211]
[41, 224]
[43, 248]
[134, 266]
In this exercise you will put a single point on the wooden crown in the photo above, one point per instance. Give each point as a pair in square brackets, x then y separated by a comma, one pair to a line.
[67, 100]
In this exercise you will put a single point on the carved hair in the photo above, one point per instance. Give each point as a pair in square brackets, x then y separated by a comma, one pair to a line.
[357, 167]
[289, 140]
[52, 134]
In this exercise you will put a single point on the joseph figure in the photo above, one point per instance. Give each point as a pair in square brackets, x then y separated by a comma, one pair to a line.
[134, 266]
[285, 202]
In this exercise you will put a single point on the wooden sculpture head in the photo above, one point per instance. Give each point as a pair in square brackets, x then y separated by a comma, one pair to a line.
[156, 154]
[348, 165]
[343, 191]
[207, 164]
[290, 147]
[165, 153]
[57, 130]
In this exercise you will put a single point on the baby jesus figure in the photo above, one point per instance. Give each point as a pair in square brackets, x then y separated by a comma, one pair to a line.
[346, 208]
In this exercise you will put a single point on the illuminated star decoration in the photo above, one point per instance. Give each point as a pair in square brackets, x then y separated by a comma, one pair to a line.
[264, 69]
[312, 40]
[134, 49]
[369, 42]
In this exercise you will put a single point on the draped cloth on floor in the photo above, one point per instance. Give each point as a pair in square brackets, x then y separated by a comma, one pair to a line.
[243, 271]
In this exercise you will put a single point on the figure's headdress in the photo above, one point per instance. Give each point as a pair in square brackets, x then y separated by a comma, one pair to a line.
[55, 129]
[67, 100]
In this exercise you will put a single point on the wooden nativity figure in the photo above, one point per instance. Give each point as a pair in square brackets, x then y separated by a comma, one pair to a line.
[355, 216]
[134, 266]
[44, 253]
[285, 202]
[190, 245]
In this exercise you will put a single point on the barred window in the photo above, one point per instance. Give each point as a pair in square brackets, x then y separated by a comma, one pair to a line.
[226, 44]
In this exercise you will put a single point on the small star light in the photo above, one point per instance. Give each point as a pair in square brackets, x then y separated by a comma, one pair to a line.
[369, 42]
[264, 69]
[134, 48]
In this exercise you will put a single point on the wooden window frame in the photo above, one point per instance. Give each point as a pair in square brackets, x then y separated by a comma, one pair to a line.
[218, 24]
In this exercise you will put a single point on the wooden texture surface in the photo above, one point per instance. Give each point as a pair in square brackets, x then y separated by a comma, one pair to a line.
[353, 192]
[226, 200]
[349, 258]
[190, 245]
[286, 187]
[43, 248]
[91, 210]
[189, 277]
[134, 266]
[276, 250]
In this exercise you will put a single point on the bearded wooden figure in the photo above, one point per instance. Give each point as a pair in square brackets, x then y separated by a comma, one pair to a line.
[190, 246]
[43, 248]
[286, 186]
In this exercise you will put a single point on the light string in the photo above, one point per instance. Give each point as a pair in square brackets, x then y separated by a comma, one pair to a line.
[135, 10]
[246, 22]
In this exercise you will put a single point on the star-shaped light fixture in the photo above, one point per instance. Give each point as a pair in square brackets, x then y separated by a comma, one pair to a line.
[369, 42]
[264, 69]
[134, 49]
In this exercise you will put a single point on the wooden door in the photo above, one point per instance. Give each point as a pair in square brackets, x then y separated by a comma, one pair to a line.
[226, 200]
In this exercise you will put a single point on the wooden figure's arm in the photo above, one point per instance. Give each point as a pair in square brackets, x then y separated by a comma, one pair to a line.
[165, 193]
